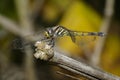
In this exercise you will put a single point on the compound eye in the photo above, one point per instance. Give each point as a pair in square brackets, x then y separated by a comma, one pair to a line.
[47, 34]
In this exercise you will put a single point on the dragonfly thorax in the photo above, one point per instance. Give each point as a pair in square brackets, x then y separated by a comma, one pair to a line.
[59, 31]
[48, 34]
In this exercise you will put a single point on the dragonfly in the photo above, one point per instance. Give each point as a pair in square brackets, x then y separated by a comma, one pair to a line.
[50, 34]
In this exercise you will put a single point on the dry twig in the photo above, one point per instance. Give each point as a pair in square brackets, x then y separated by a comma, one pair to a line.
[109, 7]
[67, 75]
[26, 24]
[11, 26]
[82, 68]
[71, 64]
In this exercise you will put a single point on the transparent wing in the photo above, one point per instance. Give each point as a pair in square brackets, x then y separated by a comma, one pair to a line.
[19, 43]
[83, 38]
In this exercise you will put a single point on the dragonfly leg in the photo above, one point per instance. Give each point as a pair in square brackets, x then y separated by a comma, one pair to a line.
[72, 36]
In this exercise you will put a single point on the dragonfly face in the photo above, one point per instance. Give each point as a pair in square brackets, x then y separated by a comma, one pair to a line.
[48, 34]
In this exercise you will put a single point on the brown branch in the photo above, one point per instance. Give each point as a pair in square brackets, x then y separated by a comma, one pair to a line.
[14, 28]
[26, 24]
[11, 26]
[23, 13]
[77, 72]
[82, 68]
[67, 75]
[109, 8]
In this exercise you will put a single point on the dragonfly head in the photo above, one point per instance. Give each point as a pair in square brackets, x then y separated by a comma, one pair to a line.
[48, 33]
[52, 32]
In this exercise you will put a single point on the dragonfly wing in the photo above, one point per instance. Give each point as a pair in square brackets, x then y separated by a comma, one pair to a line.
[18, 43]
[85, 39]
[81, 38]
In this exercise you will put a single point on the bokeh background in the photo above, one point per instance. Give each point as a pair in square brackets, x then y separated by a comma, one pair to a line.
[77, 15]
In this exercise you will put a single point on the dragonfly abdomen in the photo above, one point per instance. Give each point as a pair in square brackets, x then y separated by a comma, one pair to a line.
[101, 34]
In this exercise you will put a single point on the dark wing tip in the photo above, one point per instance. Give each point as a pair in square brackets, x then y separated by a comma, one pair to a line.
[17, 44]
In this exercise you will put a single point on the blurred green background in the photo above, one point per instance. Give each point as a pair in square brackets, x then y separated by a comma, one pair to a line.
[77, 15]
